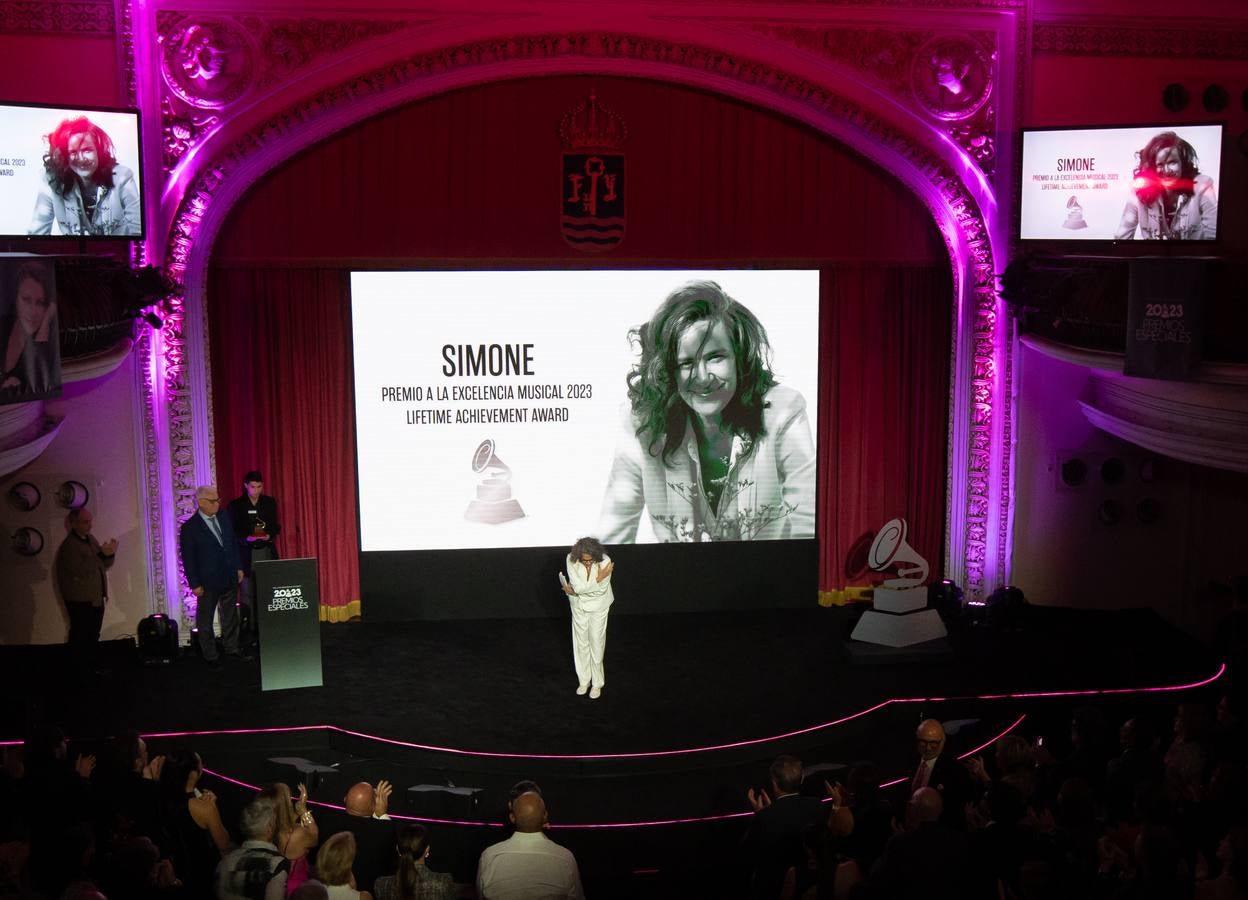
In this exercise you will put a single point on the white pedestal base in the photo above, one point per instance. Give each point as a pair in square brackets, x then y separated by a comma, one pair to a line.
[899, 600]
[893, 630]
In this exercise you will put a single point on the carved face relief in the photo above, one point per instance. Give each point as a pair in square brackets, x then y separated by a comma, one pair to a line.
[951, 77]
[207, 64]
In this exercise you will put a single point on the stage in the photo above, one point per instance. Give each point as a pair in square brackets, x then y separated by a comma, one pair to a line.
[694, 709]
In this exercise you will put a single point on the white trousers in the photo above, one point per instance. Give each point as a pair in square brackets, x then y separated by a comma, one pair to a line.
[589, 645]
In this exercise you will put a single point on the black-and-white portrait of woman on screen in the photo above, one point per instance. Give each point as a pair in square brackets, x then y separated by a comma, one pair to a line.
[712, 447]
[84, 190]
[1171, 200]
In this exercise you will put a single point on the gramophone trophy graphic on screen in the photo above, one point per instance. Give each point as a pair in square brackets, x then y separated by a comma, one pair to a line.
[494, 503]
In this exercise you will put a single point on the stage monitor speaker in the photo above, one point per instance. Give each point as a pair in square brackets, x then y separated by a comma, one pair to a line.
[321, 779]
[444, 801]
[158, 640]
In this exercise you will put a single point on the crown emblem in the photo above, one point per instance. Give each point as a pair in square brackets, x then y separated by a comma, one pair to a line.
[592, 126]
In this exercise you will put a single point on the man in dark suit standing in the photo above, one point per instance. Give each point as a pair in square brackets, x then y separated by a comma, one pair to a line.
[927, 860]
[943, 772]
[213, 572]
[775, 841]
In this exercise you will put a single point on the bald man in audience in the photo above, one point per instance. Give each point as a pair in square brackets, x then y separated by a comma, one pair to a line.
[368, 819]
[928, 860]
[363, 800]
[943, 772]
[528, 865]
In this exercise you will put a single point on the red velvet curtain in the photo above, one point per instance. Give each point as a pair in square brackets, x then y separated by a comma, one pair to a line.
[883, 413]
[281, 376]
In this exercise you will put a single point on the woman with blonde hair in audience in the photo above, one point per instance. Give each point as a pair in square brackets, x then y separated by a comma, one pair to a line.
[333, 868]
[295, 833]
[414, 880]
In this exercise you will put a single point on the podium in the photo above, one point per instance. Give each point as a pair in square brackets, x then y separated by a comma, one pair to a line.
[288, 613]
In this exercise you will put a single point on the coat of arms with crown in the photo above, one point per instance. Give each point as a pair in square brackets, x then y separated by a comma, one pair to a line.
[592, 186]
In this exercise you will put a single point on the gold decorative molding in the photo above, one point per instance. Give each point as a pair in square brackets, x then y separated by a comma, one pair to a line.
[945, 76]
[209, 63]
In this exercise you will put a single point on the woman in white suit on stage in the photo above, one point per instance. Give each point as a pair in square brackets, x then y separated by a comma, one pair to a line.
[589, 594]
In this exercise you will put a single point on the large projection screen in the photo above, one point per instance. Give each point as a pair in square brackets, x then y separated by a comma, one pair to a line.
[494, 426]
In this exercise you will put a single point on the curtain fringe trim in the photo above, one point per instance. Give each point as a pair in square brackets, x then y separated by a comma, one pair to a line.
[342, 613]
[846, 595]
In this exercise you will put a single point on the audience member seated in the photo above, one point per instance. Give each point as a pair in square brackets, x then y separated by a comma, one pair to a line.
[414, 880]
[367, 818]
[1187, 760]
[1000, 841]
[1138, 768]
[528, 865]
[193, 835]
[927, 860]
[310, 890]
[334, 864]
[131, 789]
[137, 872]
[872, 817]
[296, 830]
[63, 855]
[50, 784]
[257, 870]
[1229, 880]
[776, 838]
[1090, 748]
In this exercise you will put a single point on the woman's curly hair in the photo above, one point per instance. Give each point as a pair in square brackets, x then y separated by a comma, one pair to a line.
[653, 383]
[1147, 181]
[56, 161]
[589, 545]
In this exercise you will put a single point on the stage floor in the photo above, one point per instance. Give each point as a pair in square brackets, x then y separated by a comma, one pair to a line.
[674, 682]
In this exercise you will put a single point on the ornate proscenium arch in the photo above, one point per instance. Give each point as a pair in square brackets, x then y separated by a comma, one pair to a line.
[942, 165]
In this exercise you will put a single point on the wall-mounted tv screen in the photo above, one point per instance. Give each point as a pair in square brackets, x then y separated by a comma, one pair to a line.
[69, 172]
[499, 409]
[1153, 183]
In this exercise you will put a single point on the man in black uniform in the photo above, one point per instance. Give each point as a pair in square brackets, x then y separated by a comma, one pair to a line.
[254, 517]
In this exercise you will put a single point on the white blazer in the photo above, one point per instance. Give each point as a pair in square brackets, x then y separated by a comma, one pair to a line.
[591, 595]
[770, 494]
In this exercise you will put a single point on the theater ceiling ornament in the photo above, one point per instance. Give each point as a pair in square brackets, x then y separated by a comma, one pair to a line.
[592, 187]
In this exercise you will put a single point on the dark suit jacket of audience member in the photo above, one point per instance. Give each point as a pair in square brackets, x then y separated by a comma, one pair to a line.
[1132, 772]
[374, 844]
[950, 778]
[207, 563]
[775, 839]
[873, 826]
[929, 862]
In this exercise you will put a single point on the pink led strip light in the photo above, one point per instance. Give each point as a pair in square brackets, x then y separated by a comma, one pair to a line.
[603, 825]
